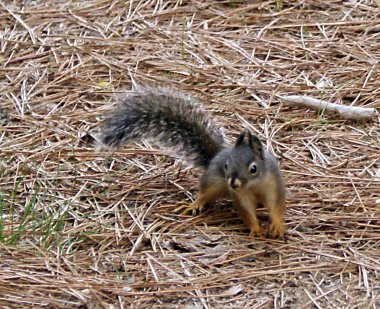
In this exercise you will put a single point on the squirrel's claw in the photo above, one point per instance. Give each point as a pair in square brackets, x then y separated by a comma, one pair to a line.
[277, 231]
[256, 231]
[192, 209]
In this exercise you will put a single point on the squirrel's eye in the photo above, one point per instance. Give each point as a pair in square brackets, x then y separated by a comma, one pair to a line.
[253, 168]
[226, 165]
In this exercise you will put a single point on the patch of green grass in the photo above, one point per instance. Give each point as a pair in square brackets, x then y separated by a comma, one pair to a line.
[304, 33]
[24, 217]
[121, 272]
[321, 110]
[17, 227]
[279, 5]
[51, 228]
[231, 5]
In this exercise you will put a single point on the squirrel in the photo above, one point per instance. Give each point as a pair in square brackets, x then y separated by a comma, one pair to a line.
[245, 171]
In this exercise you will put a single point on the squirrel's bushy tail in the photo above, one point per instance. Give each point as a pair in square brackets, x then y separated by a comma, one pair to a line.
[166, 116]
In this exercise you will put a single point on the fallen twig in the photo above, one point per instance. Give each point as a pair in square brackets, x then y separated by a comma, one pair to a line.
[345, 112]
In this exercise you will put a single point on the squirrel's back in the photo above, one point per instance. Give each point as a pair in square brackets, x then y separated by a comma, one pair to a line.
[166, 116]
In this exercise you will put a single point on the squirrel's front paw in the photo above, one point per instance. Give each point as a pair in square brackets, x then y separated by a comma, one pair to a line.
[194, 208]
[256, 231]
[276, 230]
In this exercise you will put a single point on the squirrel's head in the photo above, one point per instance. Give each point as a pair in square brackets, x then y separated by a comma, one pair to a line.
[245, 165]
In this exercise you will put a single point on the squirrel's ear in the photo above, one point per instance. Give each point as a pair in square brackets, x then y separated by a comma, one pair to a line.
[255, 144]
[240, 139]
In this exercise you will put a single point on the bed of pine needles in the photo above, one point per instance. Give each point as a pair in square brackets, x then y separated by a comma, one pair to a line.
[87, 229]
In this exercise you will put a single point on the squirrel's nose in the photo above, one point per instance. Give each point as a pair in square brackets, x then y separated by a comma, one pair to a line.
[234, 182]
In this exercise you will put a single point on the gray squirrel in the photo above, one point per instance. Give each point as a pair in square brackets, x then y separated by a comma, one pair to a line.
[245, 171]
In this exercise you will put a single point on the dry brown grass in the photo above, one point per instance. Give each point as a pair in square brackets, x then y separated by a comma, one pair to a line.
[83, 229]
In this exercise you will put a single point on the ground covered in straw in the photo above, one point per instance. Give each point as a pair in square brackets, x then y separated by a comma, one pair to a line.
[80, 228]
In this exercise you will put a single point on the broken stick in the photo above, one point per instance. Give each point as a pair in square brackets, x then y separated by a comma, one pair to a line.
[344, 111]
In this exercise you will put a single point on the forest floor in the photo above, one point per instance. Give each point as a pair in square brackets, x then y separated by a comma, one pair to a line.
[81, 228]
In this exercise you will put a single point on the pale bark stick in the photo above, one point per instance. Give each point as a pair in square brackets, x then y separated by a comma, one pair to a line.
[343, 111]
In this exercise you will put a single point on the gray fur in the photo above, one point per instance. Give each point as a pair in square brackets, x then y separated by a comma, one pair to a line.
[165, 116]
[234, 162]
